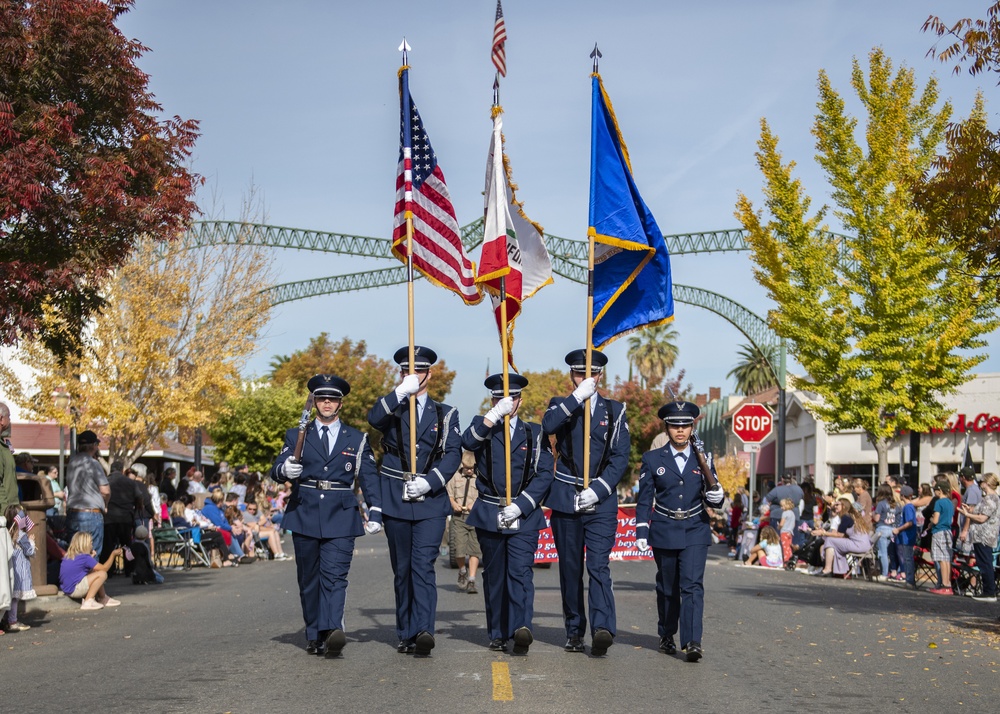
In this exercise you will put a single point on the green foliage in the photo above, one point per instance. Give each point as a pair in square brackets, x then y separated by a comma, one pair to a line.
[251, 427]
[885, 321]
[754, 372]
[653, 352]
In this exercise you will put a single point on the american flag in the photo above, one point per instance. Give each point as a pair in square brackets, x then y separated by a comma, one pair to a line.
[421, 192]
[499, 38]
[23, 521]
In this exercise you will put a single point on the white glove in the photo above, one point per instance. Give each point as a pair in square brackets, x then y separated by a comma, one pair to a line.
[510, 513]
[715, 496]
[586, 390]
[409, 385]
[642, 544]
[371, 527]
[586, 499]
[291, 469]
[501, 409]
[417, 487]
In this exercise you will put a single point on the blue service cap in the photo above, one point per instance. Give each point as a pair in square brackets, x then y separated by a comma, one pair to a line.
[515, 383]
[328, 385]
[577, 360]
[423, 357]
[679, 413]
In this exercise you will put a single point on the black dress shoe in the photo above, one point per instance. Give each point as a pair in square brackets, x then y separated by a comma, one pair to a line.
[321, 645]
[498, 645]
[311, 647]
[335, 642]
[406, 647]
[424, 644]
[522, 641]
[602, 640]
[667, 646]
[574, 644]
[693, 650]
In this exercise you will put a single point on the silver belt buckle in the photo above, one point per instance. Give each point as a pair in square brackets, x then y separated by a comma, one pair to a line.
[323, 485]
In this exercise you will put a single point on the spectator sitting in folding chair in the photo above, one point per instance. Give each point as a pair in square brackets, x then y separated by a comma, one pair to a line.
[211, 538]
[241, 533]
[265, 531]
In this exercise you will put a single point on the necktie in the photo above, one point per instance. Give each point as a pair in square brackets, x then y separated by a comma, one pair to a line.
[325, 438]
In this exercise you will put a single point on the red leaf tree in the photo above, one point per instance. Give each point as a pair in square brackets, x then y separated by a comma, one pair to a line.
[86, 165]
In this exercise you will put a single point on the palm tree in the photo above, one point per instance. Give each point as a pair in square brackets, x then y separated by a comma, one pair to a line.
[653, 352]
[753, 372]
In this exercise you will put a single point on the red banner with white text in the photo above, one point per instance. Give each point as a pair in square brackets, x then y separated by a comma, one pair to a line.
[624, 547]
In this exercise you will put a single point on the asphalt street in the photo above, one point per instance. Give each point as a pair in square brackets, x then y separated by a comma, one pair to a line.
[232, 641]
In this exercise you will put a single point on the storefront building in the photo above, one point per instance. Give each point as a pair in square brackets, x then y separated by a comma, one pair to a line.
[811, 451]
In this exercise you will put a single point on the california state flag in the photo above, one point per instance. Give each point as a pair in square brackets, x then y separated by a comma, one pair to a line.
[513, 247]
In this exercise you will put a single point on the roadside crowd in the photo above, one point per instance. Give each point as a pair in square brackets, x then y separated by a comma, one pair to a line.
[944, 534]
[107, 525]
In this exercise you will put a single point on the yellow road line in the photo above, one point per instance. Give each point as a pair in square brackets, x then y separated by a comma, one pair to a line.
[502, 689]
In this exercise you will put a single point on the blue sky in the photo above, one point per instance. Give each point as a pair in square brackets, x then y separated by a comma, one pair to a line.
[300, 99]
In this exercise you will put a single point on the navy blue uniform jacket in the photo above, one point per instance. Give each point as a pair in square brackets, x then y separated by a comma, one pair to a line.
[333, 513]
[565, 420]
[526, 439]
[436, 468]
[660, 483]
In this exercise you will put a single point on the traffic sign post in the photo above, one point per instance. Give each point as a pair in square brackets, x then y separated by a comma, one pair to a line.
[752, 424]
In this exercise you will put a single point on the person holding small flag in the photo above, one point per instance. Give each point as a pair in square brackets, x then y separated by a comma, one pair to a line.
[323, 513]
[415, 499]
[586, 515]
[507, 522]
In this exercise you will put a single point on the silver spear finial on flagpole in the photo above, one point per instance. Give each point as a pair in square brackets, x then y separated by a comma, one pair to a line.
[596, 54]
[404, 47]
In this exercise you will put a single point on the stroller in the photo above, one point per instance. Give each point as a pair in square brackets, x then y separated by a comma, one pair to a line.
[809, 553]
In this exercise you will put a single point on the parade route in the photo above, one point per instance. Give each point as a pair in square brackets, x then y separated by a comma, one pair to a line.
[232, 641]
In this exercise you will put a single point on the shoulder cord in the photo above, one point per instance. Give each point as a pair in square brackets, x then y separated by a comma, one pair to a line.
[526, 476]
[404, 453]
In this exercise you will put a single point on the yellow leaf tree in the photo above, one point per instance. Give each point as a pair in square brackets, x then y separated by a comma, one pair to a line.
[886, 320]
[732, 473]
[164, 353]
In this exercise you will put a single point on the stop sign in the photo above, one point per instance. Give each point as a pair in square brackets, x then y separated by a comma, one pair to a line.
[752, 423]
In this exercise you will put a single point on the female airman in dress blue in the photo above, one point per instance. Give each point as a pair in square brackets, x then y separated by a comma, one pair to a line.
[414, 498]
[508, 534]
[671, 517]
[586, 516]
[323, 513]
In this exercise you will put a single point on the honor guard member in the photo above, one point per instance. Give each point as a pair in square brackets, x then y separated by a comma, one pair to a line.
[508, 535]
[323, 513]
[586, 516]
[414, 498]
[672, 517]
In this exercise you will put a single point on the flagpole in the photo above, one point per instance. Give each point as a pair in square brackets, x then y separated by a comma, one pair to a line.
[506, 380]
[408, 139]
[504, 346]
[590, 340]
[596, 54]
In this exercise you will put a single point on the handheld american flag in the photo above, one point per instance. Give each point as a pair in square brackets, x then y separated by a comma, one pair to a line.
[513, 247]
[499, 53]
[422, 195]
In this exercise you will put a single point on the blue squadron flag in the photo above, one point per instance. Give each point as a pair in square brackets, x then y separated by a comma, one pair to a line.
[632, 284]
